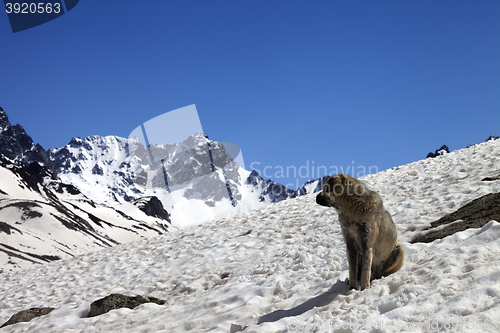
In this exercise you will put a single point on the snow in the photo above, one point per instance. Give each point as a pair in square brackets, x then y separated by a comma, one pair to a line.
[190, 212]
[282, 268]
[40, 225]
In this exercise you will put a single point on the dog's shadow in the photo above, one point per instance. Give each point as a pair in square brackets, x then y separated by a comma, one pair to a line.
[340, 287]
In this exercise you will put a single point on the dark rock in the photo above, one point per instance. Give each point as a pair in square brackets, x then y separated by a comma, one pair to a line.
[254, 178]
[18, 146]
[7, 228]
[38, 171]
[76, 169]
[97, 170]
[62, 187]
[118, 301]
[473, 215]
[27, 315]
[31, 182]
[248, 232]
[15, 142]
[441, 151]
[490, 179]
[4, 120]
[40, 155]
[274, 191]
[492, 137]
[152, 206]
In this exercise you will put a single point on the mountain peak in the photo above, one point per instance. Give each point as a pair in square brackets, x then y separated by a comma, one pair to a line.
[4, 120]
[18, 146]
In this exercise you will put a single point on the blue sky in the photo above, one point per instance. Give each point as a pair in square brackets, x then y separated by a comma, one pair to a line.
[293, 83]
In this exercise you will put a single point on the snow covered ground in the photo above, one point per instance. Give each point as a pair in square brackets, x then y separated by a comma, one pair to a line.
[282, 268]
[40, 223]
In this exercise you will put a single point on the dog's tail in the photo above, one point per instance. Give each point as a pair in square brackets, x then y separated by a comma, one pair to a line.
[395, 261]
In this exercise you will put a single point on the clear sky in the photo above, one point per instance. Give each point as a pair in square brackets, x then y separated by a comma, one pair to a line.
[293, 83]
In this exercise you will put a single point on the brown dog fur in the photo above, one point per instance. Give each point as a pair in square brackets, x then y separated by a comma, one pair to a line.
[368, 230]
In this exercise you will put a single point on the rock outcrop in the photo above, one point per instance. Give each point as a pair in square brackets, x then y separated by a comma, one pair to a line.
[27, 315]
[118, 301]
[18, 146]
[152, 206]
[473, 215]
[441, 151]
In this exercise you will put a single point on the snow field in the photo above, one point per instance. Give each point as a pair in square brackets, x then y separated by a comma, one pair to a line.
[282, 268]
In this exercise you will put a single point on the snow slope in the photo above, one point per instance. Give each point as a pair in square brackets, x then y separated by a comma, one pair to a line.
[282, 268]
[44, 222]
[199, 172]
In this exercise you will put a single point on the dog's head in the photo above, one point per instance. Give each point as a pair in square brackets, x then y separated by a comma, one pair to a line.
[335, 187]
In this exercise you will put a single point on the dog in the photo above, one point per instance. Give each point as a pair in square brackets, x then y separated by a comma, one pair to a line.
[368, 230]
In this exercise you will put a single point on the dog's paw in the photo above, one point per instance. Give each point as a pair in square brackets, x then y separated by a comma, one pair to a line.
[353, 285]
[365, 285]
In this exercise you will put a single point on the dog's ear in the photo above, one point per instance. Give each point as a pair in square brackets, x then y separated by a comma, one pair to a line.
[334, 185]
[328, 187]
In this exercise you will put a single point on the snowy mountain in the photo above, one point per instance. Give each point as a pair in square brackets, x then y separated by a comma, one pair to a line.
[196, 180]
[283, 268]
[102, 191]
[44, 220]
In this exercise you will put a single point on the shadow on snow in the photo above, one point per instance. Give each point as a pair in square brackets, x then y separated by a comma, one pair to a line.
[340, 287]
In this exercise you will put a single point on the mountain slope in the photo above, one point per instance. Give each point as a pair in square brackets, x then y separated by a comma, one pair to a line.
[101, 191]
[49, 220]
[196, 180]
[282, 268]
